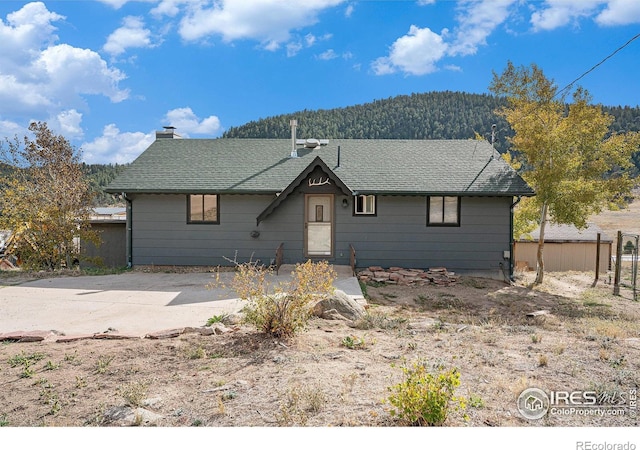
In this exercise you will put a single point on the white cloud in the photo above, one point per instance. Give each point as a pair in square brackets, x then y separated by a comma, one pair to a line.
[416, 53]
[327, 55]
[170, 8]
[558, 13]
[620, 12]
[25, 31]
[21, 98]
[10, 129]
[453, 68]
[116, 147]
[476, 21]
[348, 12]
[186, 122]
[67, 123]
[74, 71]
[117, 4]
[309, 40]
[38, 78]
[268, 21]
[293, 48]
[132, 34]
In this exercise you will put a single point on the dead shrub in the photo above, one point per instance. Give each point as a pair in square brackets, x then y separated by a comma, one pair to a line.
[284, 309]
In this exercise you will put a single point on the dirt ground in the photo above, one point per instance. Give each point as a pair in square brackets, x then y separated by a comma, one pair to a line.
[588, 341]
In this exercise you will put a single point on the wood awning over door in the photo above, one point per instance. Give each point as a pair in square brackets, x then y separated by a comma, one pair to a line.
[328, 179]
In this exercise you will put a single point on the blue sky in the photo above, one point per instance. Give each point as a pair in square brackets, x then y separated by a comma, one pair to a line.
[107, 73]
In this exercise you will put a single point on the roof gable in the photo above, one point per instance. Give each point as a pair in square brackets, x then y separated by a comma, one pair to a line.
[304, 175]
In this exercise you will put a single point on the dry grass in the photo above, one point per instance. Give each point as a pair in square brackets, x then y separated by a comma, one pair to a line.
[589, 339]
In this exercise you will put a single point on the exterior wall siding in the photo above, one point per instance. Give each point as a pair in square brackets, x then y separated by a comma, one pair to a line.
[161, 235]
[564, 256]
[112, 252]
[396, 236]
[399, 236]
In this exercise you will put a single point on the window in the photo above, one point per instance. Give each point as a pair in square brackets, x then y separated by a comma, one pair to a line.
[365, 205]
[443, 211]
[203, 208]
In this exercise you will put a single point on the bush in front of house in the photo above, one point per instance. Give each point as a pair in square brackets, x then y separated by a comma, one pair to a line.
[284, 309]
[424, 398]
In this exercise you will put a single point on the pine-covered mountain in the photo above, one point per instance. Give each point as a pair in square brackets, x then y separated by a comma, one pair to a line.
[432, 115]
[100, 175]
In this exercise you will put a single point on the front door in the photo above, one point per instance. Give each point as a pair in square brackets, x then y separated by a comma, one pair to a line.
[318, 225]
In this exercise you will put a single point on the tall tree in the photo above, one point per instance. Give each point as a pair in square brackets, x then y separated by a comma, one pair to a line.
[46, 202]
[567, 152]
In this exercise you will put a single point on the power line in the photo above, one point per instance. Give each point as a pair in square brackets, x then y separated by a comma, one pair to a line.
[568, 86]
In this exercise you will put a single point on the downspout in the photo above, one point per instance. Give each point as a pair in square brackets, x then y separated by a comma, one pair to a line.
[511, 240]
[129, 230]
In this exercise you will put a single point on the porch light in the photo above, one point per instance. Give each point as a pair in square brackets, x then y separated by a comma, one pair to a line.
[345, 203]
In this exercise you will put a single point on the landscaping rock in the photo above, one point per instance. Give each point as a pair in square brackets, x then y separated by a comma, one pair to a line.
[26, 336]
[397, 275]
[164, 334]
[233, 319]
[343, 305]
[220, 328]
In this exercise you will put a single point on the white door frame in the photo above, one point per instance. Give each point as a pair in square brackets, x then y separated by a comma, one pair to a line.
[319, 220]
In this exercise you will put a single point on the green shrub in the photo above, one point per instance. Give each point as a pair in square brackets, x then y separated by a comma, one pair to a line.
[354, 342]
[219, 318]
[424, 398]
[282, 310]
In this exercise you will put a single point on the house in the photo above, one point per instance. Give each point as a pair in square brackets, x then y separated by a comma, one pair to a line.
[565, 248]
[411, 203]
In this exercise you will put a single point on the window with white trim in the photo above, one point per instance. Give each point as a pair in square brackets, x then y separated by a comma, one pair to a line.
[365, 205]
[443, 211]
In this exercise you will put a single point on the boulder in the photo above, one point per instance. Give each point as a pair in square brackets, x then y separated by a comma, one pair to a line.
[339, 305]
[232, 319]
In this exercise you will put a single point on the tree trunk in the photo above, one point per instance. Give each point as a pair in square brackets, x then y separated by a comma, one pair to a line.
[540, 260]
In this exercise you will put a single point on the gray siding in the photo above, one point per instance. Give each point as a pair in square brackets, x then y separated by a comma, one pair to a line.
[161, 235]
[397, 236]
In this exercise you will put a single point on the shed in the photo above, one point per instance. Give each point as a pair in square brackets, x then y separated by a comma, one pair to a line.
[111, 224]
[565, 248]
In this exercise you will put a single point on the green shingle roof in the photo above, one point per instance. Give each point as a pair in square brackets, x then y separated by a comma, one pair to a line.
[447, 167]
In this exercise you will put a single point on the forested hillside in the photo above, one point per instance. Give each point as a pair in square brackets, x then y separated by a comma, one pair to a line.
[432, 115]
[99, 176]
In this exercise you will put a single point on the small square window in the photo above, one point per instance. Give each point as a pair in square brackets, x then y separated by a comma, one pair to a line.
[365, 205]
[443, 211]
[203, 208]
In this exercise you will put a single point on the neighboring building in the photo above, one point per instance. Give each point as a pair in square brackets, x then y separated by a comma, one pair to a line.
[411, 203]
[110, 222]
[565, 248]
[109, 213]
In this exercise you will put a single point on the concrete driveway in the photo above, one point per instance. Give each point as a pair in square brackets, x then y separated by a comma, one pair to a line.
[132, 303]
